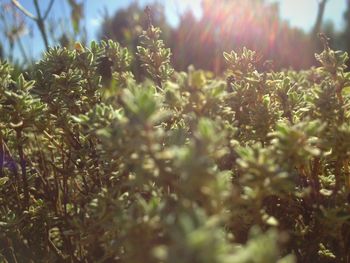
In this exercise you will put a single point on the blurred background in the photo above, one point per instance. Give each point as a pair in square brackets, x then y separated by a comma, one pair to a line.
[197, 31]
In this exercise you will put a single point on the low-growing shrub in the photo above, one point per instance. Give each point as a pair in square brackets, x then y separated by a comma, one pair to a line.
[181, 167]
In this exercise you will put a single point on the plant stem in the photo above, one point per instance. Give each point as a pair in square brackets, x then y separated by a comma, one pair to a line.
[23, 167]
[2, 157]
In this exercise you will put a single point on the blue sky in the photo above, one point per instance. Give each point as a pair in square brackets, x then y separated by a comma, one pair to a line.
[299, 13]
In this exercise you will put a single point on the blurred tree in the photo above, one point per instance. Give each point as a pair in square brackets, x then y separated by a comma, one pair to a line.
[126, 25]
[319, 19]
[224, 25]
[183, 50]
[228, 25]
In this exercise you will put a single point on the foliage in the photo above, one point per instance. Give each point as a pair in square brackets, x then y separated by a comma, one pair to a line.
[126, 25]
[181, 167]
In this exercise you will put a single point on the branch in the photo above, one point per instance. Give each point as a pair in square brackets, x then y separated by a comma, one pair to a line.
[48, 9]
[24, 11]
[41, 25]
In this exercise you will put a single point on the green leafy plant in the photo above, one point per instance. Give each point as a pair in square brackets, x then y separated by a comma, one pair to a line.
[180, 167]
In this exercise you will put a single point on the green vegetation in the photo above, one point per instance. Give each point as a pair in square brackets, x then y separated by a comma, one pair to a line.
[96, 166]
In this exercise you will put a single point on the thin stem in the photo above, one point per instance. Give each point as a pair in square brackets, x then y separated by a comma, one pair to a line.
[2, 157]
[337, 174]
[53, 247]
[13, 254]
[23, 167]
[315, 169]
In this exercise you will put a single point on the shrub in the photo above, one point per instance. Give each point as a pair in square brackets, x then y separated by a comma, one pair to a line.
[181, 167]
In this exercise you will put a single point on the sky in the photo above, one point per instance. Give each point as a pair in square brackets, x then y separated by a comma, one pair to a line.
[302, 13]
[299, 13]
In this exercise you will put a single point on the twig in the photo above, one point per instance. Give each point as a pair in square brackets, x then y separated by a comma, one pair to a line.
[41, 25]
[58, 252]
[2, 157]
[55, 143]
[23, 168]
